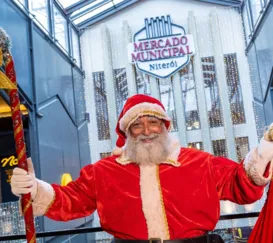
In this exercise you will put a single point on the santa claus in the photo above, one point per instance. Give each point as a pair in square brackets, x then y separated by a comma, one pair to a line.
[151, 189]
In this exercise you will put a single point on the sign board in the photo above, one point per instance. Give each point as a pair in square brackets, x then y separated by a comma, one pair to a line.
[161, 48]
[8, 163]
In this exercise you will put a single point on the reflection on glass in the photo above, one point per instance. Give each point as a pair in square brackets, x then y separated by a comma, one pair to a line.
[219, 148]
[212, 92]
[101, 106]
[75, 47]
[60, 28]
[166, 96]
[143, 83]
[39, 9]
[235, 234]
[121, 88]
[12, 222]
[256, 8]
[234, 89]
[242, 147]
[189, 97]
[197, 145]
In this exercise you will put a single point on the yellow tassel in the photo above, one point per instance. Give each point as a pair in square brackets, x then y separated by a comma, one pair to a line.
[5, 82]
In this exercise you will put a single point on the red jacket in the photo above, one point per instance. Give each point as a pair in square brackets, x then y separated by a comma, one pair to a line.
[190, 190]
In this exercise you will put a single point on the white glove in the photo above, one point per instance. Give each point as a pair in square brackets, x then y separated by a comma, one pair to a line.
[265, 150]
[23, 182]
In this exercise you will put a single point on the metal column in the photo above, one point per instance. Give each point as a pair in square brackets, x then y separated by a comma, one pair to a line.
[109, 82]
[199, 84]
[222, 84]
[180, 111]
[131, 76]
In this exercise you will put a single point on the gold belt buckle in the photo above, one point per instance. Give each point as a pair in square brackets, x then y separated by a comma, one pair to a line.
[151, 240]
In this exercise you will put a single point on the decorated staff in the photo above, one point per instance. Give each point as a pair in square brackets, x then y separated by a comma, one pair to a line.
[8, 82]
[263, 229]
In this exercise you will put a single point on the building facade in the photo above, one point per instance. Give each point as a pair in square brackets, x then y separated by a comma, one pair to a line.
[209, 100]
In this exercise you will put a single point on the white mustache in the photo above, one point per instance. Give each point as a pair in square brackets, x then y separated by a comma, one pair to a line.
[144, 137]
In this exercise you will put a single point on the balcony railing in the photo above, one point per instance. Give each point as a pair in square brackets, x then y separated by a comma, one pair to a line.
[12, 227]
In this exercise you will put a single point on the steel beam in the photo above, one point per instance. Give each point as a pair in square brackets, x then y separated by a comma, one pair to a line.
[76, 6]
[105, 13]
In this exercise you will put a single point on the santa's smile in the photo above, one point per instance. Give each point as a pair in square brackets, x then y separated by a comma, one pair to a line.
[148, 139]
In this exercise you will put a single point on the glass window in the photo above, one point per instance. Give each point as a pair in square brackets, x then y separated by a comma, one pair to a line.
[212, 92]
[121, 88]
[256, 8]
[234, 89]
[76, 47]
[264, 51]
[143, 83]
[60, 28]
[246, 19]
[254, 73]
[93, 12]
[219, 148]
[101, 106]
[66, 3]
[197, 145]
[39, 8]
[166, 96]
[189, 97]
[242, 147]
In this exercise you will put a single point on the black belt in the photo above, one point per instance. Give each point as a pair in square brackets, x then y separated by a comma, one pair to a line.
[208, 238]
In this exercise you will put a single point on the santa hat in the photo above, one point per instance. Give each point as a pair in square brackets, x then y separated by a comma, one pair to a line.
[135, 107]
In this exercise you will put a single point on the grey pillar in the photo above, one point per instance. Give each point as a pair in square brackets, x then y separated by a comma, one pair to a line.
[179, 108]
[110, 82]
[199, 84]
[154, 87]
[131, 77]
[222, 84]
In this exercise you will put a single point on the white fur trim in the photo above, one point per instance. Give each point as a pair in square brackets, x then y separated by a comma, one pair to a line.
[173, 157]
[255, 167]
[151, 202]
[141, 109]
[117, 151]
[44, 198]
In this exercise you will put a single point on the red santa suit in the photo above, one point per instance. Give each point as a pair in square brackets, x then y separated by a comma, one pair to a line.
[178, 198]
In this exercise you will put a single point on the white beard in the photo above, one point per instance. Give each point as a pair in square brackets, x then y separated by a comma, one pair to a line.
[154, 152]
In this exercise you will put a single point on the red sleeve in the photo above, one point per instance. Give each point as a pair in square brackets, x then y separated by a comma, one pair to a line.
[77, 199]
[232, 182]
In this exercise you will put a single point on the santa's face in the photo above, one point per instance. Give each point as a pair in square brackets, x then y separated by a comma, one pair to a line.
[147, 141]
[146, 125]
